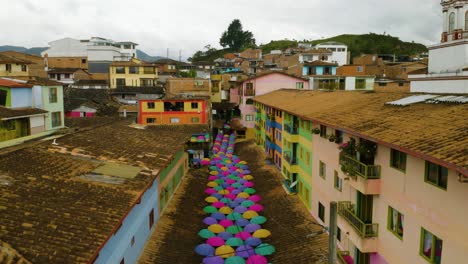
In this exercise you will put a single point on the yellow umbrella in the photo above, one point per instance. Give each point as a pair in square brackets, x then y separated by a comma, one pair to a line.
[216, 228]
[249, 214]
[224, 168]
[212, 184]
[243, 195]
[224, 192]
[242, 162]
[211, 199]
[213, 172]
[225, 251]
[261, 233]
[248, 177]
[225, 210]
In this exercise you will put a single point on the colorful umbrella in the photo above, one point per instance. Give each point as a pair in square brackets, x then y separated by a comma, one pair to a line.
[234, 241]
[242, 222]
[256, 207]
[225, 210]
[253, 241]
[243, 235]
[249, 214]
[215, 241]
[225, 235]
[209, 209]
[250, 190]
[245, 251]
[218, 216]
[258, 220]
[257, 259]
[218, 204]
[210, 220]
[261, 233]
[235, 260]
[252, 228]
[204, 250]
[225, 251]
[216, 228]
[234, 229]
[212, 184]
[226, 223]
[243, 195]
[247, 203]
[205, 233]
[234, 216]
[240, 209]
[265, 249]
[213, 260]
[211, 199]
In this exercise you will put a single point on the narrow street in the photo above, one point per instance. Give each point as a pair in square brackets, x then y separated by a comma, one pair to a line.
[175, 237]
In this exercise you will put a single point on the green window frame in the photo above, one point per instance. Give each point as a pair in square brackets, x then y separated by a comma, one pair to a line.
[195, 120]
[338, 182]
[321, 211]
[395, 222]
[436, 175]
[322, 169]
[398, 160]
[430, 247]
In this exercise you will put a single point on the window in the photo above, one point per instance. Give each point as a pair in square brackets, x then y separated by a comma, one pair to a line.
[133, 70]
[8, 67]
[322, 169]
[151, 219]
[146, 82]
[401, 84]
[395, 222]
[132, 242]
[299, 85]
[120, 69]
[382, 84]
[24, 68]
[83, 60]
[323, 131]
[431, 247]
[249, 91]
[436, 175]
[150, 105]
[249, 118]
[56, 119]
[52, 95]
[321, 212]
[397, 159]
[151, 120]
[66, 76]
[174, 120]
[338, 234]
[360, 84]
[359, 69]
[338, 182]
[194, 105]
[451, 22]
[195, 120]
[120, 82]
[249, 102]
[3, 97]
[339, 136]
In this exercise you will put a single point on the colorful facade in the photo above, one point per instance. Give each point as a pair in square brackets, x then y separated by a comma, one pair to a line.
[173, 111]
[134, 73]
[395, 203]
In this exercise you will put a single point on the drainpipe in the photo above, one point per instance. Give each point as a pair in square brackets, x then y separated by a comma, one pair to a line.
[332, 234]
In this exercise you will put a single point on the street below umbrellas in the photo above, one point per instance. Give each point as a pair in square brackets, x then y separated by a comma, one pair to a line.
[293, 232]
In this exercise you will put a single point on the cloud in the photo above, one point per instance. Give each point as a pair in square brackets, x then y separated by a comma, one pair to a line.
[189, 25]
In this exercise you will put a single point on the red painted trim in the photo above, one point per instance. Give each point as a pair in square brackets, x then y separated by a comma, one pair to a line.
[140, 118]
[171, 113]
[204, 112]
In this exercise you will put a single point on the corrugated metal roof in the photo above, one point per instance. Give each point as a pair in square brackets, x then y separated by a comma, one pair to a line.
[412, 99]
[430, 98]
[457, 99]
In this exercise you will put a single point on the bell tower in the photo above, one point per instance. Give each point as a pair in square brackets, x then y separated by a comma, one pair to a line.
[455, 17]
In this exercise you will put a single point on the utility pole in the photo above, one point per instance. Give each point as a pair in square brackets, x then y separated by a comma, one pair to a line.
[332, 234]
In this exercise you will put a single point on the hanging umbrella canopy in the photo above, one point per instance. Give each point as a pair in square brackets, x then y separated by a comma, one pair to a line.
[258, 220]
[234, 216]
[209, 209]
[242, 222]
[223, 192]
[225, 210]
[235, 260]
[249, 214]
[210, 221]
[218, 204]
[211, 199]
[218, 216]
[225, 251]
[225, 235]
[210, 191]
[257, 259]
[205, 233]
[243, 235]
[215, 241]
[256, 207]
[225, 200]
[253, 241]
[218, 189]
[248, 177]
[243, 195]
[213, 260]
[240, 209]
[262, 233]
[247, 203]
[205, 250]
[217, 195]
[265, 249]
[255, 198]
[250, 190]
[234, 242]
[234, 229]
[249, 184]
[252, 228]
[226, 223]
[216, 228]
[245, 251]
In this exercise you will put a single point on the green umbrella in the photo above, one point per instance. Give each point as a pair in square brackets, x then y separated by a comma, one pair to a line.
[205, 233]
[219, 181]
[236, 185]
[234, 229]
[247, 203]
[235, 260]
[210, 209]
[233, 177]
[213, 168]
[225, 200]
[250, 190]
[265, 249]
[234, 216]
[218, 188]
[258, 220]
[234, 242]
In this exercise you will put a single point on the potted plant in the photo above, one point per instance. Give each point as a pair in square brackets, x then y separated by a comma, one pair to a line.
[332, 138]
[316, 131]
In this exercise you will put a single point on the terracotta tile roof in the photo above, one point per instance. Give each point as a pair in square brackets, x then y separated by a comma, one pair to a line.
[9, 255]
[435, 132]
[63, 70]
[13, 84]
[129, 108]
[10, 59]
[6, 113]
[51, 214]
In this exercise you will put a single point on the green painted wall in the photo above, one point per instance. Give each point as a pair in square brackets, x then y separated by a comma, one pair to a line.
[8, 101]
[52, 107]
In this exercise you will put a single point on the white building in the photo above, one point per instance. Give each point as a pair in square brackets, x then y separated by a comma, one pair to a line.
[339, 51]
[448, 60]
[96, 49]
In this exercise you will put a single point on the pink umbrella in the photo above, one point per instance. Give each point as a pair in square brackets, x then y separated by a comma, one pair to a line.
[212, 178]
[230, 188]
[230, 196]
[249, 184]
[215, 241]
[257, 259]
[256, 207]
[210, 191]
[243, 235]
[218, 204]
[231, 181]
[226, 222]
[255, 198]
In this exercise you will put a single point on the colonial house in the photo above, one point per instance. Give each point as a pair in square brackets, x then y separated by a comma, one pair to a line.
[12, 67]
[134, 73]
[180, 111]
[36, 68]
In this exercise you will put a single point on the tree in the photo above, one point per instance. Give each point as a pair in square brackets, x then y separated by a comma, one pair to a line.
[235, 38]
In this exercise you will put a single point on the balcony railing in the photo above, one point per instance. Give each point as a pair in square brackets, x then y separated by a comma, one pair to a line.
[287, 184]
[343, 256]
[358, 168]
[291, 130]
[347, 211]
[268, 137]
[289, 158]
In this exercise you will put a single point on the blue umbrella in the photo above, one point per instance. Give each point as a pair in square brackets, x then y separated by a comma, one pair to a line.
[240, 209]
[213, 260]
[225, 235]
[245, 251]
[210, 221]
[253, 241]
[217, 195]
[242, 222]
[218, 216]
[252, 228]
[205, 250]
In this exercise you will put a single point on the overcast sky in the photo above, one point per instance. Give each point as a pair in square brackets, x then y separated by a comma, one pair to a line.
[189, 25]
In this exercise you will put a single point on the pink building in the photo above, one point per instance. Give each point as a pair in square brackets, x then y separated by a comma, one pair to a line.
[262, 84]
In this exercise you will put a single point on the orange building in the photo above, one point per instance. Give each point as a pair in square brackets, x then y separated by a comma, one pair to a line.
[173, 111]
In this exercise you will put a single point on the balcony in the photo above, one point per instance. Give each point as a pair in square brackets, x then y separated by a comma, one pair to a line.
[290, 133]
[344, 257]
[291, 130]
[270, 117]
[216, 77]
[346, 210]
[287, 185]
[290, 158]
[357, 168]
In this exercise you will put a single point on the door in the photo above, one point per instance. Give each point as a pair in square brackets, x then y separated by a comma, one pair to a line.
[361, 258]
[364, 207]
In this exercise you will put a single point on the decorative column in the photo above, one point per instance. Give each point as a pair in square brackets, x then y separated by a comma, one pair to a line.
[445, 19]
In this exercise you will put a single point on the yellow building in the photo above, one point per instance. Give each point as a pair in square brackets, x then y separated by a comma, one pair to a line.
[13, 67]
[134, 73]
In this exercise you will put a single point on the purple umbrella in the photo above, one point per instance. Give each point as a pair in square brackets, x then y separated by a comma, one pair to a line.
[253, 241]
[240, 209]
[210, 220]
[245, 251]
[234, 204]
[213, 260]
[204, 250]
[225, 235]
[236, 192]
[252, 228]
[218, 216]
[242, 222]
